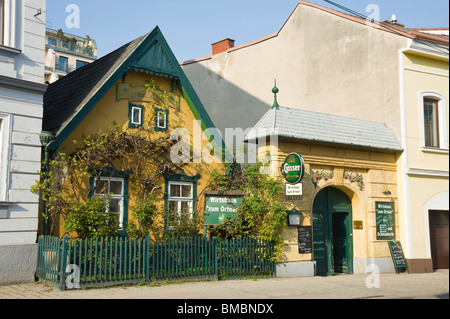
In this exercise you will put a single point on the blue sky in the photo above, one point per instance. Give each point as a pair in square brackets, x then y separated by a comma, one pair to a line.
[190, 26]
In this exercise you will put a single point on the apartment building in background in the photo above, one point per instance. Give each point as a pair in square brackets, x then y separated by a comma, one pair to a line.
[65, 53]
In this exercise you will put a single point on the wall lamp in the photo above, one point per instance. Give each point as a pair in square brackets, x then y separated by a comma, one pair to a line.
[294, 218]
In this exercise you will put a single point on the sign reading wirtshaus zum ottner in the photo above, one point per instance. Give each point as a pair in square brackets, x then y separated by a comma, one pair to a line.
[217, 208]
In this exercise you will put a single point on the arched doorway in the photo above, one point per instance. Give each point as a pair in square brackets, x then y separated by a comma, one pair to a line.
[332, 232]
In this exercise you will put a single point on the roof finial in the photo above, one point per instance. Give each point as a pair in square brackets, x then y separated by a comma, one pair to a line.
[275, 90]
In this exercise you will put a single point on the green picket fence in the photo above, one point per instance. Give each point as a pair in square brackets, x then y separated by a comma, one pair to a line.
[103, 262]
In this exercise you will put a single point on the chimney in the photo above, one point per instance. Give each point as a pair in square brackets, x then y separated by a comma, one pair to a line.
[222, 46]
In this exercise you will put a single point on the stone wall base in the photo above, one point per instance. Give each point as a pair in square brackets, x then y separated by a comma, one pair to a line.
[296, 269]
[17, 264]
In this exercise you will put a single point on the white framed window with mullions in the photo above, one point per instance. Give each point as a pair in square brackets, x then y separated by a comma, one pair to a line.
[433, 120]
[180, 201]
[114, 189]
[4, 155]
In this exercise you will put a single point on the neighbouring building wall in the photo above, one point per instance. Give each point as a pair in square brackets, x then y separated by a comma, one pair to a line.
[425, 169]
[21, 98]
[321, 62]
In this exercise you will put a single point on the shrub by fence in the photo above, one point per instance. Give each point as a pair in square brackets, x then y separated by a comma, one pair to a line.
[103, 262]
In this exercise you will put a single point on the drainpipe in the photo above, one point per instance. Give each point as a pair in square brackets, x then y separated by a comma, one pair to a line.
[46, 139]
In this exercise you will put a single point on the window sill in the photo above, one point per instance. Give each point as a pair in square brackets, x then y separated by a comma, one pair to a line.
[4, 209]
[10, 50]
[434, 150]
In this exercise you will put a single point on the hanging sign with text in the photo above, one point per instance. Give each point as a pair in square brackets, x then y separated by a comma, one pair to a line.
[293, 168]
[218, 208]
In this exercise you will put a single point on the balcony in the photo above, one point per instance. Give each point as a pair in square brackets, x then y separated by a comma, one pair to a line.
[64, 67]
[51, 66]
[73, 47]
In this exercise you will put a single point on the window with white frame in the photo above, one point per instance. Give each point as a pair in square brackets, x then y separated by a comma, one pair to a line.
[4, 155]
[136, 114]
[11, 23]
[161, 120]
[113, 189]
[180, 201]
[433, 121]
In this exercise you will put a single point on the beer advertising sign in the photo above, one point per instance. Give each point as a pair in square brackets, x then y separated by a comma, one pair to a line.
[293, 168]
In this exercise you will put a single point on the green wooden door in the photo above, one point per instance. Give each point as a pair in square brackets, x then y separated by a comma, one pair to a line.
[332, 231]
[341, 242]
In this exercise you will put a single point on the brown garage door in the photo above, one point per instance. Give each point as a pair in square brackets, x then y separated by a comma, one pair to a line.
[439, 237]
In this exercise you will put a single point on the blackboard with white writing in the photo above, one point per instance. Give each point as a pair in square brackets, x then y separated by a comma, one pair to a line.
[397, 254]
[305, 244]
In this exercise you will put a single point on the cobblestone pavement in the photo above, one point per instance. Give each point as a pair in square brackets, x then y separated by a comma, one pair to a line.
[391, 286]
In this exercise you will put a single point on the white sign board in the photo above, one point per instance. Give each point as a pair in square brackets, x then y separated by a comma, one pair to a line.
[294, 190]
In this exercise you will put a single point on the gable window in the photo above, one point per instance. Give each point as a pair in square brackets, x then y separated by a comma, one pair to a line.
[161, 120]
[180, 201]
[136, 115]
[114, 189]
[433, 118]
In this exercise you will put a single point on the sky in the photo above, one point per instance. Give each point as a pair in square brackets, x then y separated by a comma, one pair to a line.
[191, 26]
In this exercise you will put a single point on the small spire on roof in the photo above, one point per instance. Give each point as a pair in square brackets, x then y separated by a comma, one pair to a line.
[275, 90]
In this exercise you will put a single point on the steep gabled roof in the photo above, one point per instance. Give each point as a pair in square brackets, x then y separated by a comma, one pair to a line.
[326, 128]
[68, 101]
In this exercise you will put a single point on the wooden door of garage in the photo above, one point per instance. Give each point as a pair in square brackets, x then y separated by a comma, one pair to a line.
[439, 238]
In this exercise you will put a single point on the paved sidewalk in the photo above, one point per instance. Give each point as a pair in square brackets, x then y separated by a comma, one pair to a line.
[391, 286]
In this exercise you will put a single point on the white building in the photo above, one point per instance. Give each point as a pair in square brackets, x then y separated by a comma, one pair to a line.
[22, 54]
[65, 53]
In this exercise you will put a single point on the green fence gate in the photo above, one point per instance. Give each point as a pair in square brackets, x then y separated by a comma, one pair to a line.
[104, 262]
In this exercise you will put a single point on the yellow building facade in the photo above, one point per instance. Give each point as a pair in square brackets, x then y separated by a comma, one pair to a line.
[350, 169]
[423, 173]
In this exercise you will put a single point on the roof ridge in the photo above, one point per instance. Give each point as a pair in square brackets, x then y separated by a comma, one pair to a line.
[330, 114]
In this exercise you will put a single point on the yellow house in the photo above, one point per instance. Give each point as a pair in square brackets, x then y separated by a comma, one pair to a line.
[140, 90]
[423, 171]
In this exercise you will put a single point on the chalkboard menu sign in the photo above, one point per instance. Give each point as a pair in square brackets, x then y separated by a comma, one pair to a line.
[320, 250]
[397, 254]
[305, 243]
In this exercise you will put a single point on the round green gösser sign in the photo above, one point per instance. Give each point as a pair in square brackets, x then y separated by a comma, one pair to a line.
[293, 168]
